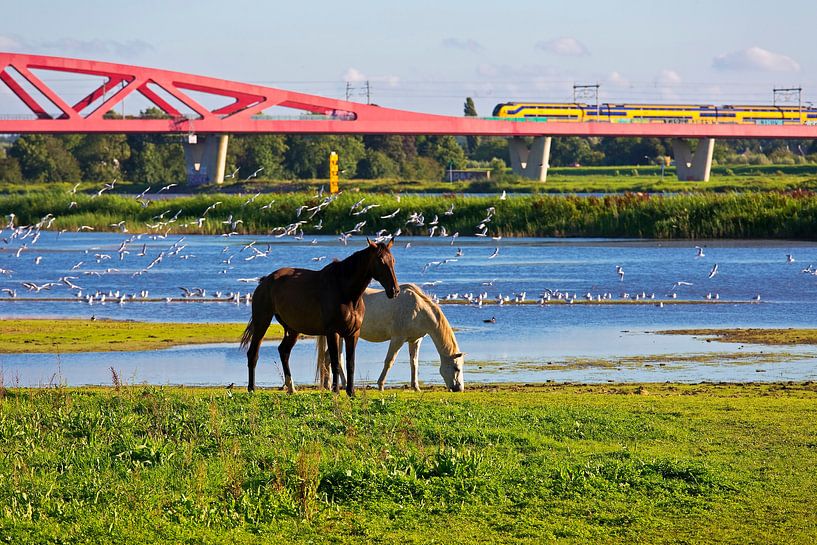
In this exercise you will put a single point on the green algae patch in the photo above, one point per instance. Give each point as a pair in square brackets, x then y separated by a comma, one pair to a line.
[640, 361]
[769, 336]
[28, 336]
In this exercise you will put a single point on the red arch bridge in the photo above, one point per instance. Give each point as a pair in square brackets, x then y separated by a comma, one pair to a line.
[182, 97]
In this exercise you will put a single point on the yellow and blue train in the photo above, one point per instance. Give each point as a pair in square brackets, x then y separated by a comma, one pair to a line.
[657, 113]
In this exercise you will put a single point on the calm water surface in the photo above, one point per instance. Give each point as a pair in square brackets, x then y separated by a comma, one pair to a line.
[519, 345]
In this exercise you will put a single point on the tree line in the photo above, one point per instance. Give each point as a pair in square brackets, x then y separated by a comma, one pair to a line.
[151, 158]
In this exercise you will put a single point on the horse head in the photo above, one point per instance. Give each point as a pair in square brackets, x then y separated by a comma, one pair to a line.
[383, 267]
[451, 371]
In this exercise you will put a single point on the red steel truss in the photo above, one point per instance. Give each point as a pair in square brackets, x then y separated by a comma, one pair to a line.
[311, 114]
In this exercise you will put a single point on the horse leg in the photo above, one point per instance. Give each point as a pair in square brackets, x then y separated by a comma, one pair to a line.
[394, 347]
[332, 344]
[323, 369]
[341, 375]
[284, 349]
[351, 344]
[325, 363]
[414, 358]
[259, 329]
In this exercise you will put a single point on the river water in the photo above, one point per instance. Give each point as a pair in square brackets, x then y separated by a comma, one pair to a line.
[527, 343]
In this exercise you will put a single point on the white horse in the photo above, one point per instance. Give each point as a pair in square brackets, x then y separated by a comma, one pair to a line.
[407, 318]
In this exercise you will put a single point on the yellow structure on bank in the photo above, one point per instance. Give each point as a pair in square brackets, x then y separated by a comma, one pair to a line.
[333, 172]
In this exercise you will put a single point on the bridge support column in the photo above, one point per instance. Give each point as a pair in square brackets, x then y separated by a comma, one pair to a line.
[693, 166]
[530, 162]
[206, 159]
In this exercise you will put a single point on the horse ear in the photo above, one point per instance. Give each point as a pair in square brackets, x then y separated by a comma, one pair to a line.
[390, 244]
[372, 244]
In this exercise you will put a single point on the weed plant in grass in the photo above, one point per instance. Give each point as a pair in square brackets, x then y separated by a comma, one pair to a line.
[688, 216]
[651, 464]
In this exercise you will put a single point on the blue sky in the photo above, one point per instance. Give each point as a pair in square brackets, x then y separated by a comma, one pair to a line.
[428, 55]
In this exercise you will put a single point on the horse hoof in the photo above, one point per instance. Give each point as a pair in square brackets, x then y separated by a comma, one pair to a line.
[381, 387]
[350, 392]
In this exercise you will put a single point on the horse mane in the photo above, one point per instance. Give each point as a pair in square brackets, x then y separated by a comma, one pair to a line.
[346, 266]
[446, 331]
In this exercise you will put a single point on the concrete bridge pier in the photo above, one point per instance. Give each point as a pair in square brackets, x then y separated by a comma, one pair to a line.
[531, 162]
[205, 159]
[693, 166]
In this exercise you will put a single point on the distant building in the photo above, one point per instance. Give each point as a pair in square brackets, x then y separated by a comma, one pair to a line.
[452, 175]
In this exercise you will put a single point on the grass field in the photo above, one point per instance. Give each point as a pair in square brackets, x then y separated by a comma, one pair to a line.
[19, 336]
[573, 464]
[616, 179]
[684, 216]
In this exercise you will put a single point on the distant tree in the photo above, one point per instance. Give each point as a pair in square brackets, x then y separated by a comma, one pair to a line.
[422, 168]
[376, 164]
[567, 151]
[498, 167]
[490, 148]
[155, 159]
[10, 170]
[308, 156]
[101, 156]
[45, 158]
[443, 149]
[398, 148]
[470, 110]
[632, 151]
[153, 113]
[251, 152]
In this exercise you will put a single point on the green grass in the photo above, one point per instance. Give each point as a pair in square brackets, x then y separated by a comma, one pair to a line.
[563, 180]
[18, 336]
[614, 179]
[686, 216]
[573, 464]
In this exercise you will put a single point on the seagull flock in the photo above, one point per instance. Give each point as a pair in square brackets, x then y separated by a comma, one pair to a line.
[133, 256]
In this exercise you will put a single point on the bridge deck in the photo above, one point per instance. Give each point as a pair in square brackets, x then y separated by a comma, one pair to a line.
[407, 124]
[17, 72]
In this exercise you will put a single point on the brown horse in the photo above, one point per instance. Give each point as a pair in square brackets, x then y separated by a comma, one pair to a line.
[326, 302]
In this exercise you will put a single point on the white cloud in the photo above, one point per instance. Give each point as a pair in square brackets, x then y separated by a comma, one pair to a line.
[62, 46]
[755, 59]
[668, 77]
[467, 45]
[566, 46]
[8, 43]
[667, 82]
[616, 79]
[354, 75]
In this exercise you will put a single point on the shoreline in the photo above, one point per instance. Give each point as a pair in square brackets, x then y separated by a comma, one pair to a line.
[19, 335]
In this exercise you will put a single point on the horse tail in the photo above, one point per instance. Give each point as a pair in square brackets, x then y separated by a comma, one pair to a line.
[322, 367]
[259, 297]
[247, 336]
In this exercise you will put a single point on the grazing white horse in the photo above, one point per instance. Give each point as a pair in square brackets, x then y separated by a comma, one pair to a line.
[407, 318]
